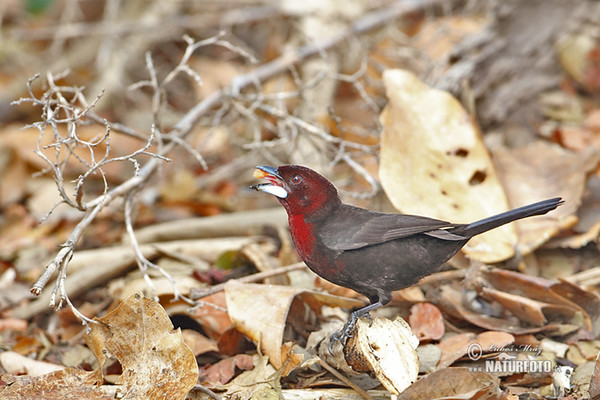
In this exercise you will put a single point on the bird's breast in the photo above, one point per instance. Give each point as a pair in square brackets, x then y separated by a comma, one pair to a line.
[303, 235]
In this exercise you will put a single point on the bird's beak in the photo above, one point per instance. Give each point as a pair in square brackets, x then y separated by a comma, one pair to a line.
[276, 185]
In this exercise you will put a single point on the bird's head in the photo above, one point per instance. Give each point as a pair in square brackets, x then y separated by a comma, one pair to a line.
[299, 189]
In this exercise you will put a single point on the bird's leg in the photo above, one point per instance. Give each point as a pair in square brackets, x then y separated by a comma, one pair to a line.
[343, 334]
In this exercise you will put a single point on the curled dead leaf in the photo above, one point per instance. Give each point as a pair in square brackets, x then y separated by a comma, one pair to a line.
[261, 311]
[156, 362]
[387, 349]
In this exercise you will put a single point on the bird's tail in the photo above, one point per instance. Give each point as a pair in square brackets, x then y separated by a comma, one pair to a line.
[495, 221]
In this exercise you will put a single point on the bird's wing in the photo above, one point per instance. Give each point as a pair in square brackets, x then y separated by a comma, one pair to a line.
[350, 228]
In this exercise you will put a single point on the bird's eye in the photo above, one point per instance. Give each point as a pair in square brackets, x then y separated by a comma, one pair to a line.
[296, 179]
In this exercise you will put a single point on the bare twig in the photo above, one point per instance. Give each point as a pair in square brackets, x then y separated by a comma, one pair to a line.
[343, 378]
[207, 392]
[66, 107]
[259, 276]
[143, 263]
[129, 27]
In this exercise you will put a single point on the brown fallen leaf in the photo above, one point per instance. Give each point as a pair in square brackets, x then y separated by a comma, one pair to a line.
[491, 341]
[197, 342]
[260, 382]
[233, 342]
[587, 301]
[426, 321]
[454, 383]
[562, 294]
[434, 163]
[542, 170]
[225, 370]
[13, 177]
[456, 29]
[580, 381]
[156, 362]
[451, 302]
[588, 227]
[533, 287]
[261, 311]
[581, 137]
[67, 384]
[214, 320]
[454, 348]
[526, 309]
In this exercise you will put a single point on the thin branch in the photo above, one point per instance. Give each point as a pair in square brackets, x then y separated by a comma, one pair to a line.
[259, 276]
[143, 263]
[66, 105]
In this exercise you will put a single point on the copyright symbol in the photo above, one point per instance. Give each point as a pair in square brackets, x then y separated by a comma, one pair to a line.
[474, 351]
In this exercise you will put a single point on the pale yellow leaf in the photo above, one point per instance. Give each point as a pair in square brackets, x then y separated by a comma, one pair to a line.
[434, 163]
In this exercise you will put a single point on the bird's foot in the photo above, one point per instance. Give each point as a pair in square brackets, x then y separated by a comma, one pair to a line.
[345, 333]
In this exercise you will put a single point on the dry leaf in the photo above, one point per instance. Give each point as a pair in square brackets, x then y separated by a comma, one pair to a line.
[539, 171]
[526, 309]
[426, 321]
[67, 384]
[518, 302]
[451, 302]
[561, 293]
[261, 382]
[225, 370]
[580, 381]
[156, 362]
[454, 383]
[434, 163]
[197, 342]
[13, 177]
[261, 311]
[490, 341]
[595, 382]
[454, 348]
[214, 320]
[588, 227]
[455, 27]
[588, 302]
[387, 349]
[15, 363]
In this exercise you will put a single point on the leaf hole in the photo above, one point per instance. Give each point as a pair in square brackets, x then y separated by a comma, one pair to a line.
[477, 178]
[460, 152]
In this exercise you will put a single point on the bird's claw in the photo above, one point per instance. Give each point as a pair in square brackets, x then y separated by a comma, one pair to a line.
[345, 333]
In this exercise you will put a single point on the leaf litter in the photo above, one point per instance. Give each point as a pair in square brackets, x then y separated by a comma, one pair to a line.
[269, 338]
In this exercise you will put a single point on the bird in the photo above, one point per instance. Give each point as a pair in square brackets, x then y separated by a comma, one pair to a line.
[370, 252]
